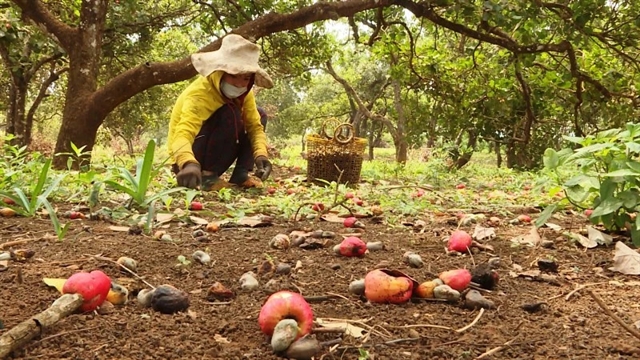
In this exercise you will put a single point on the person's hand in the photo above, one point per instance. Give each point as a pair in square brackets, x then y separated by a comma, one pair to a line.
[263, 167]
[190, 176]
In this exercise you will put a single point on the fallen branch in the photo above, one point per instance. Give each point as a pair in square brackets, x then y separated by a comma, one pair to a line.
[569, 295]
[102, 258]
[615, 317]
[322, 298]
[25, 331]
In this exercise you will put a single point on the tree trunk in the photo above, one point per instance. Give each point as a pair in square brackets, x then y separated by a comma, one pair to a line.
[401, 150]
[16, 112]
[83, 113]
[399, 138]
[496, 147]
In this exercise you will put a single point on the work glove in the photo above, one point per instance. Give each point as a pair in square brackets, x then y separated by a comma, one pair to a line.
[190, 176]
[263, 167]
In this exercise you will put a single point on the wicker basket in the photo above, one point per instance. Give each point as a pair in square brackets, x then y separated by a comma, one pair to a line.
[328, 157]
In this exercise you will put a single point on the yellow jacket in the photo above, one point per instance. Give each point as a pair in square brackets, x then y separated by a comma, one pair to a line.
[195, 105]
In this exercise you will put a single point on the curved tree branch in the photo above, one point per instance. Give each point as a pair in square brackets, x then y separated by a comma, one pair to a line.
[530, 117]
[149, 74]
[36, 11]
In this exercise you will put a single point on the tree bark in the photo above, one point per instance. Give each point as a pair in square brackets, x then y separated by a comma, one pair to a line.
[399, 138]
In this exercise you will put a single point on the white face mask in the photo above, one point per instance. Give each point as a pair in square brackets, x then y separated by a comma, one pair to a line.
[231, 91]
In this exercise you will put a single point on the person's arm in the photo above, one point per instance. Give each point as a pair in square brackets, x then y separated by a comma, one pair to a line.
[254, 126]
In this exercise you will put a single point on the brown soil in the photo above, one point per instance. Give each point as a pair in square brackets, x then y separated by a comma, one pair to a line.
[566, 329]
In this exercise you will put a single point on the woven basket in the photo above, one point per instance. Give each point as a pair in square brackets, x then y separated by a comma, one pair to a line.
[327, 157]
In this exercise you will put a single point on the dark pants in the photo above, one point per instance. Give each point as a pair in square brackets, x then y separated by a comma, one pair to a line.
[223, 140]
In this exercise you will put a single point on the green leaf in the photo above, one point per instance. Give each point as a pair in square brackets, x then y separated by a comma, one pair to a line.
[546, 215]
[630, 198]
[633, 146]
[621, 172]
[634, 165]
[635, 237]
[608, 206]
[577, 193]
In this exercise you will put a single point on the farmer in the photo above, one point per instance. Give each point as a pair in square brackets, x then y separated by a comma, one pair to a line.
[215, 120]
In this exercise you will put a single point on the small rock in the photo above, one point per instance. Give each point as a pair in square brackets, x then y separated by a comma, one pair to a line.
[166, 237]
[475, 300]
[201, 257]
[328, 234]
[414, 260]
[106, 308]
[533, 307]
[167, 299]
[375, 246]
[446, 292]
[202, 238]
[284, 334]
[144, 297]
[334, 266]
[128, 263]
[283, 269]
[298, 265]
[356, 287]
[197, 233]
[298, 240]
[303, 349]
[547, 265]
[248, 282]
[414, 334]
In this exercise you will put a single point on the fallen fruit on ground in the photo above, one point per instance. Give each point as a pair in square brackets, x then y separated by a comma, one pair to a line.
[588, 212]
[524, 218]
[414, 260]
[93, 286]
[352, 246]
[280, 242]
[7, 212]
[128, 263]
[352, 222]
[118, 295]
[144, 297]
[445, 292]
[460, 186]
[356, 287]
[458, 279]
[303, 349]
[459, 241]
[285, 305]
[271, 190]
[388, 286]
[318, 207]
[167, 299]
[196, 205]
[425, 290]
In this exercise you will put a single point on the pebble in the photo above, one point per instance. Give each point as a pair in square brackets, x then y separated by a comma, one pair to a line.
[414, 260]
[475, 300]
[248, 282]
[201, 257]
[375, 246]
[334, 266]
[357, 287]
[283, 269]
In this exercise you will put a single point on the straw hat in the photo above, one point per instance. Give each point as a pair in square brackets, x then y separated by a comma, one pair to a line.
[236, 55]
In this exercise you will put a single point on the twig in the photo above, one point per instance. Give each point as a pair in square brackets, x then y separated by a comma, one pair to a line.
[422, 326]
[216, 302]
[427, 188]
[98, 257]
[580, 288]
[18, 242]
[328, 330]
[615, 317]
[496, 349]
[472, 323]
[322, 298]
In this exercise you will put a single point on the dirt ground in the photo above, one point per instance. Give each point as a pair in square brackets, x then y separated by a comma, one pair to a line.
[564, 329]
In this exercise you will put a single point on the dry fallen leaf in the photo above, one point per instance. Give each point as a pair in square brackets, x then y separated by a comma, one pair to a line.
[349, 329]
[55, 283]
[583, 240]
[598, 236]
[625, 260]
[331, 217]
[482, 233]
[553, 226]
[255, 221]
[198, 221]
[532, 238]
[164, 217]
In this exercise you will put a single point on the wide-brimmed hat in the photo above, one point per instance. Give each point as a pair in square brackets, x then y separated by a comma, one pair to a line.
[236, 55]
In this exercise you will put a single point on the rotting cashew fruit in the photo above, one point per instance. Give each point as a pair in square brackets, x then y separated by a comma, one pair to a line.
[286, 305]
[352, 246]
[458, 279]
[93, 287]
[425, 290]
[459, 241]
[388, 286]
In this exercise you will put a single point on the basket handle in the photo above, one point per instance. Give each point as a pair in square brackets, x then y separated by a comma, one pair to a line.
[329, 122]
[338, 135]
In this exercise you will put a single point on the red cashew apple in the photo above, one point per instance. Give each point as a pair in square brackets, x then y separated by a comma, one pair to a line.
[460, 186]
[458, 279]
[459, 241]
[94, 288]
[286, 305]
[587, 212]
[524, 218]
[388, 286]
[352, 246]
[318, 207]
[196, 205]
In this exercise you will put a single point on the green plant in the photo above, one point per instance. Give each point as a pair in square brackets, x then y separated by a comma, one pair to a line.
[137, 186]
[183, 261]
[61, 231]
[76, 156]
[363, 354]
[608, 180]
[27, 204]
